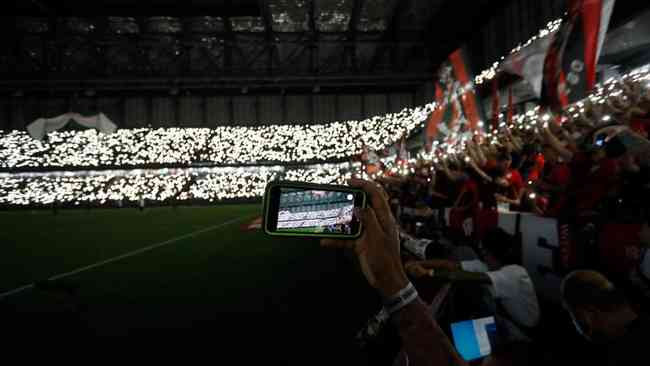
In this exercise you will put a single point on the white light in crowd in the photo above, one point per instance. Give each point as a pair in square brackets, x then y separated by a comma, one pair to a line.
[546, 117]
[136, 148]
[221, 145]
[467, 159]
[350, 197]
[532, 196]
[607, 118]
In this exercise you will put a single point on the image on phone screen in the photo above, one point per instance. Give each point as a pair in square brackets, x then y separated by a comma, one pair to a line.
[473, 338]
[315, 211]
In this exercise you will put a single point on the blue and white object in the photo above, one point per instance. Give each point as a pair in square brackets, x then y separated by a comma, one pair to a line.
[472, 337]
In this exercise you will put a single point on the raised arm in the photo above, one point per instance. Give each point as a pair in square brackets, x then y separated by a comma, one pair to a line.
[378, 253]
[557, 145]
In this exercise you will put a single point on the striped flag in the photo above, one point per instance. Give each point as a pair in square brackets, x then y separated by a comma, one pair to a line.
[435, 118]
[571, 59]
[469, 99]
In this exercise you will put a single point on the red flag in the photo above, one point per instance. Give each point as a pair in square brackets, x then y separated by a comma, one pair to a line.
[468, 99]
[570, 64]
[434, 119]
[495, 103]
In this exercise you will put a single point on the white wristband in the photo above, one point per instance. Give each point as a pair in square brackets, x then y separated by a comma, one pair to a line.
[403, 297]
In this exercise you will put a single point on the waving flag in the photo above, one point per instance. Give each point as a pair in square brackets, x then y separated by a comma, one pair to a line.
[458, 110]
[529, 63]
[570, 63]
[435, 118]
[469, 99]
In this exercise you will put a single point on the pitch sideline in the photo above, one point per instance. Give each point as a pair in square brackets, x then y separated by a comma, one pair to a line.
[123, 256]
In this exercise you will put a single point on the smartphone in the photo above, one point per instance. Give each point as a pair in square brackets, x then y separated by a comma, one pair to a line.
[312, 210]
[600, 139]
[473, 338]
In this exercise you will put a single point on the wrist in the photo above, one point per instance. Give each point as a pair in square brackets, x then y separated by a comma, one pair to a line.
[404, 297]
[392, 283]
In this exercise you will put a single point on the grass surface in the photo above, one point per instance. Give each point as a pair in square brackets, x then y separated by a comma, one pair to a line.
[242, 286]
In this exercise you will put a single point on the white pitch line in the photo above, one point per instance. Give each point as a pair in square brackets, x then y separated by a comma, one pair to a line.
[122, 256]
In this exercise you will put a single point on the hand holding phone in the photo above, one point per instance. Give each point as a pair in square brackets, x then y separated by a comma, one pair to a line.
[312, 210]
[378, 248]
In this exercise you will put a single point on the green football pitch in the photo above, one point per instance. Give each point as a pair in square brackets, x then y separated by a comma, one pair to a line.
[186, 271]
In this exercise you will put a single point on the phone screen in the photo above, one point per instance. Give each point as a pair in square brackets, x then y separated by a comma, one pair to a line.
[473, 338]
[314, 211]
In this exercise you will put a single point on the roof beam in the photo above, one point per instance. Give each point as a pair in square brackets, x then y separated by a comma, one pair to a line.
[267, 18]
[134, 8]
[313, 32]
[390, 34]
[351, 37]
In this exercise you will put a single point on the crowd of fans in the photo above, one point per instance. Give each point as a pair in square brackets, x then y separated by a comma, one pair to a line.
[219, 146]
[589, 170]
[155, 187]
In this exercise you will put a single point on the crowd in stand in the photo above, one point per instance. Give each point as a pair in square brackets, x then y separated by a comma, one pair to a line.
[223, 145]
[590, 171]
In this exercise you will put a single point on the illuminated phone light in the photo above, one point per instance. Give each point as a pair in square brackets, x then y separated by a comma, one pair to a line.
[532, 196]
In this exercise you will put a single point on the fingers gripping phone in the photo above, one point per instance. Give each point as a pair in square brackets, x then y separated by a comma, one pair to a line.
[312, 210]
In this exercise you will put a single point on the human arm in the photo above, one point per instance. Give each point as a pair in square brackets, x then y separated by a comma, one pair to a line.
[379, 257]
[480, 171]
[557, 145]
[477, 153]
[445, 270]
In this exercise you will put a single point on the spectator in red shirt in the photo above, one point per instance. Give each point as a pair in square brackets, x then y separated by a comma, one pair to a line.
[555, 180]
[514, 184]
[602, 177]
[594, 171]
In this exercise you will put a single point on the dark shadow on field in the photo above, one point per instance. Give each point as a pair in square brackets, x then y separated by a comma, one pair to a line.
[310, 319]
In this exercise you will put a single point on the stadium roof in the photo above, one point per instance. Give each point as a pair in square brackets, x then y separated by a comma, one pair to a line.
[227, 43]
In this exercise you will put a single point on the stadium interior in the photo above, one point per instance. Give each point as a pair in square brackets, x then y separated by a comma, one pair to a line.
[137, 139]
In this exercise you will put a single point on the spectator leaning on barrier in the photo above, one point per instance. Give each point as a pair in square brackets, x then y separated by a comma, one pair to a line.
[517, 306]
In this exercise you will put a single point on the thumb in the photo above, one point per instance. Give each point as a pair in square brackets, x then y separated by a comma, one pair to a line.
[368, 218]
